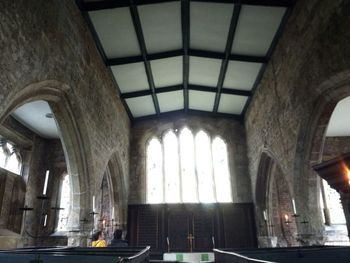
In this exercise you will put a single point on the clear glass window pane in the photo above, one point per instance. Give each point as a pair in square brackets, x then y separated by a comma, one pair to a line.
[154, 172]
[188, 173]
[171, 171]
[336, 211]
[204, 168]
[13, 165]
[65, 204]
[221, 171]
[2, 158]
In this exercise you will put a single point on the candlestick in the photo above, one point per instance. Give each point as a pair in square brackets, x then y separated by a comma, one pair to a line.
[93, 203]
[294, 208]
[168, 243]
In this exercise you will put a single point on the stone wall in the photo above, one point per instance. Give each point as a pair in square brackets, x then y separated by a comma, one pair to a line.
[335, 146]
[229, 130]
[308, 71]
[48, 53]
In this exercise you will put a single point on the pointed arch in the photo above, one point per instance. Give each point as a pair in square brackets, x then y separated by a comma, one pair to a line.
[55, 93]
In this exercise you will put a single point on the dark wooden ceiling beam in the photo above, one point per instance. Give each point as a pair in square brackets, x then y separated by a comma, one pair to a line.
[185, 17]
[149, 57]
[190, 112]
[137, 24]
[224, 64]
[148, 92]
[108, 4]
[181, 52]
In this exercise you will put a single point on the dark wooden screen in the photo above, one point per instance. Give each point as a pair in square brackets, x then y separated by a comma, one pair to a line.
[203, 221]
[178, 227]
[230, 225]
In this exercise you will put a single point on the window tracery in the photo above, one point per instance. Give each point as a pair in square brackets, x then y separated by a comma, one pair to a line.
[187, 168]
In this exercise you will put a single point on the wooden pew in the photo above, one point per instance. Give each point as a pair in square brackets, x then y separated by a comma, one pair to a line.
[231, 257]
[76, 255]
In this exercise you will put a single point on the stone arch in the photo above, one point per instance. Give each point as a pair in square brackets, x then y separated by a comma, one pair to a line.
[56, 94]
[309, 151]
[273, 202]
[118, 190]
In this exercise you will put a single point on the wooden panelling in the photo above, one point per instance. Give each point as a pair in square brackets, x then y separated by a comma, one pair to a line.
[231, 225]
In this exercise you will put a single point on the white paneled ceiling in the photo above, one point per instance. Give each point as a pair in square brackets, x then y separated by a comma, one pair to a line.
[141, 106]
[204, 71]
[256, 28]
[201, 100]
[241, 75]
[157, 21]
[115, 29]
[38, 117]
[209, 25]
[195, 56]
[167, 71]
[131, 77]
[171, 101]
[232, 104]
[339, 124]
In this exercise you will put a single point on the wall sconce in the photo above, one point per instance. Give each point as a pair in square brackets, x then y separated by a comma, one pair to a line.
[286, 219]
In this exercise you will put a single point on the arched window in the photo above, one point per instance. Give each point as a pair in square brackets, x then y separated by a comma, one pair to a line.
[204, 167]
[171, 168]
[155, 192]
[221, 172]
[187, 168]
[65, 202]
[10, 158]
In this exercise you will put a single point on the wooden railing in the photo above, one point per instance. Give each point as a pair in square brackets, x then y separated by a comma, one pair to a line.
[231, 257]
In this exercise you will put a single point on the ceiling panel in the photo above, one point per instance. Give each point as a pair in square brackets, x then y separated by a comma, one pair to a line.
[204, 71]
[201, 100]
[256, 28]
[161, 26]
[232, 104]
[116, 32]
[141, 106]
[33, 116]
[170, 101]
[131, 77]
[339, 124]
[167, 71]
[209, 25]
[241, 75]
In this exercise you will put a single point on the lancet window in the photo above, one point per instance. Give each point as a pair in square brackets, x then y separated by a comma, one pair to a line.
[10, 158]
[65, 201]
